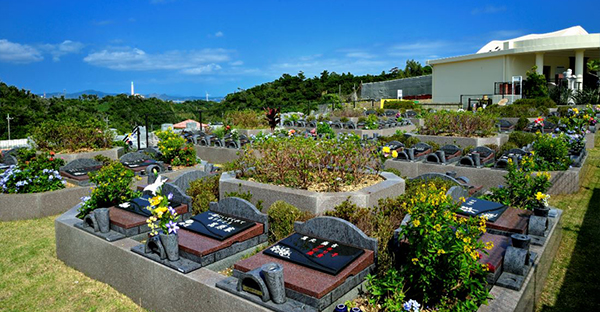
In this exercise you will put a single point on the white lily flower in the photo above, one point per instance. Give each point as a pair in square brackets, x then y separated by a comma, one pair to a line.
[156, 185]
[125, 205]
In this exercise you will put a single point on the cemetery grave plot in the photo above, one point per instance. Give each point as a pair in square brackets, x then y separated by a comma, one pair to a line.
[462, 182]
[138, 161]
[130, 219]
[505, 125]
[446, 154]
[78, 169]
[229, 227]
[502, 220]
[479, 157]
[515, 154]
[417, 152]
[313, 276]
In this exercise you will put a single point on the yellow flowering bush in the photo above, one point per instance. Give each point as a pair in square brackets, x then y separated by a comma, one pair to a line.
[441, 267]
[176, 151]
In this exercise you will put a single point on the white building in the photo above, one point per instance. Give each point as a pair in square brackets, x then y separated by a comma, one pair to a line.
[474, 75]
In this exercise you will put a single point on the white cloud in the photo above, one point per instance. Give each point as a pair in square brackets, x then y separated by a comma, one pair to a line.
[219, 34]
[201, 70]
[17, 53]
[490, 9]
[237, 63]
[419, 50]
[126, 58]
[60, 49]
[357, 54]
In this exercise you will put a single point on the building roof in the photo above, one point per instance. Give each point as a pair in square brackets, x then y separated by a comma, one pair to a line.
[571, 38]
[497, 45]
[182, 125]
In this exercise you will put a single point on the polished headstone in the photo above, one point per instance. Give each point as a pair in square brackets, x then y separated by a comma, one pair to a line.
[316, 253]
[482, 208]
[79, 168]
[216, 225]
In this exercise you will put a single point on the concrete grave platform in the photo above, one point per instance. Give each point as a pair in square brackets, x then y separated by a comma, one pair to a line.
[113, 153]
[142, 279]
[525, 299]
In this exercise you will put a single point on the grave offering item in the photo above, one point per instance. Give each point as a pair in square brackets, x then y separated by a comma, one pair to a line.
[78, 169]
[476, 207]
[98, 220]
[310, 263]
[137, 161]
[446, 154]
[518, 260]
[480, 156]
[130, 219]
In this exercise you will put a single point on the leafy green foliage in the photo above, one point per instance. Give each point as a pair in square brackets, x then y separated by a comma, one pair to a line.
[71, 136]
[272, 116]
[35, 173]
[246, 119]
[466, 124]
[386, 290]
[281, 220]
[521, 186]
[551, 152]
[324, 129]
[402, 105]
[298, 162]
[535, 85]
[203, 191]
[441, 259]
[587, 96]
[113, 187]
[176, 151]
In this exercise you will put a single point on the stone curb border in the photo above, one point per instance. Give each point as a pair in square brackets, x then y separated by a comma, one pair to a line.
[139, 278]
[39, 205]
[313, 202]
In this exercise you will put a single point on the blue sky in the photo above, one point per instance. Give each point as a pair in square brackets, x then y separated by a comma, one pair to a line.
[184, 47]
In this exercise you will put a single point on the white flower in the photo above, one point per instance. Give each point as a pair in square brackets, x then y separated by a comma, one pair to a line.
[124, 205]
[156, 185]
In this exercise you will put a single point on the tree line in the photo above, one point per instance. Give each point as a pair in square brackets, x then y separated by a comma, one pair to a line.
[123, 112]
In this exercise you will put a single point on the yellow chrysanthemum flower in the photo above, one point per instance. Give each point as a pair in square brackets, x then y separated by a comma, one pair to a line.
[416, 223]
[415, 260]
[394, 154]
[386, 149]
[437, 227]
[441, 252]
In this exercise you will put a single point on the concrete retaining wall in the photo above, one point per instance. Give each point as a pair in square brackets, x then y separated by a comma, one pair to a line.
[463, 142]
[313, 202]
[563, 182]
[113, 153]
[216, 155]
[139, 278]
[39, 205]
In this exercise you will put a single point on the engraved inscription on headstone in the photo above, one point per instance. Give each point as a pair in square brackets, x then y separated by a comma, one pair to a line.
[216, 225]
[479, 207]
[325, 256]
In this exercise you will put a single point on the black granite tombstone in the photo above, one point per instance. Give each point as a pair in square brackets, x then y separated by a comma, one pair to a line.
[216, 225]
[480, 207]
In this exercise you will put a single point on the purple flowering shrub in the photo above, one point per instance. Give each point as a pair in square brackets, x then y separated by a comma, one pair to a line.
[35, 173]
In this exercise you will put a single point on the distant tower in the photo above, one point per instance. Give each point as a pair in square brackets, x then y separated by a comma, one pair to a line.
[206, 96]
[132, 93]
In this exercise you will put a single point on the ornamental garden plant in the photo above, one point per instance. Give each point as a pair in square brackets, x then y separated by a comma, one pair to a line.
[327, 165]
[113, 187]
[35, 173]
[72, 136]
[176, 151]
[463, 124]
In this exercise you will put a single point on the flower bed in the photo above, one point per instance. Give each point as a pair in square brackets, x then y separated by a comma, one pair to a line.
[463, 124]
[313, 202]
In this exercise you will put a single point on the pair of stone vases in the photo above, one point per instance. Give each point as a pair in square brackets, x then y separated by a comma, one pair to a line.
[166, 246]
[98, 219]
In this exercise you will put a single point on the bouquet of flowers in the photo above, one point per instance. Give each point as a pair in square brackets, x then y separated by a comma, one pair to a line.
[164, 217]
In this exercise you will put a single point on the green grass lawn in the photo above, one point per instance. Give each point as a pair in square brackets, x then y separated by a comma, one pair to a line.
[33, 279]
[573, 282]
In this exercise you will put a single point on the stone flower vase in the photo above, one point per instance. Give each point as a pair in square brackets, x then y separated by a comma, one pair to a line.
[171, 245]
[541, 211]
[103, 219]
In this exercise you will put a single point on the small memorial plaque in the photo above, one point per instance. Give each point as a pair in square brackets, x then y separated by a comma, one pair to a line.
[141, 163]
[216, 225]
[479, 207]
[82, 171]
[138, 206]
[315, 253]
